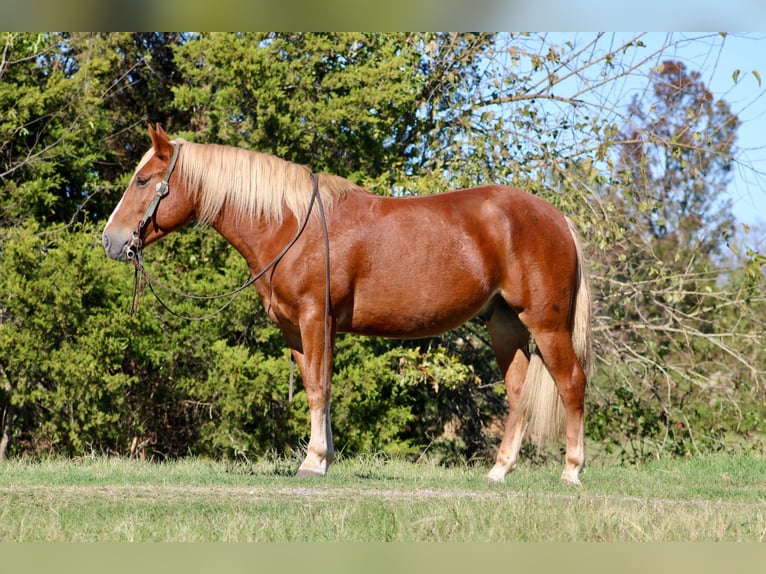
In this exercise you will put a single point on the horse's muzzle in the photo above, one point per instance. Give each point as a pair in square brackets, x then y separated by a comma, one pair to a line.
[115, 249]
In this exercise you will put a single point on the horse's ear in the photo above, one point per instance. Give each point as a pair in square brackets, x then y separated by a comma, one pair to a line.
[163, 149]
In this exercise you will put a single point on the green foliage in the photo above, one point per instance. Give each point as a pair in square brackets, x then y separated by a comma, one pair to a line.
[339, 102]
[74, 107]
[245, 395]
[61, 342]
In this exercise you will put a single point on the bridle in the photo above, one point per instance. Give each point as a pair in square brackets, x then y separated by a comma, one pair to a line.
[134, 252]
[133, 249]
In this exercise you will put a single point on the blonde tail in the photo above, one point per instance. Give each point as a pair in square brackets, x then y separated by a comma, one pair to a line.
[540, 398]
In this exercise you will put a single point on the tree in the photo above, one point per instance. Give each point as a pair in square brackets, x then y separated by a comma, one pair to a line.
[41, 155]
[59, 95]
[77, 106]
[668, 310]
[362, 106]
[676, 160]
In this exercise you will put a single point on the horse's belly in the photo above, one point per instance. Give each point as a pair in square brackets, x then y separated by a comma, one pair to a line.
[413, 310]
[422, 272]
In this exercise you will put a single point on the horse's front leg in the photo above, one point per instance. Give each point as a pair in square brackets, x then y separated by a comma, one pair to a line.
[321, 452]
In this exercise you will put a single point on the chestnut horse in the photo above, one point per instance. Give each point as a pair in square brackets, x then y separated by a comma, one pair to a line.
[398, 267]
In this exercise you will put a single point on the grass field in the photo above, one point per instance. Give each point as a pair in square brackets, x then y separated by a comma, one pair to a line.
[714, 498]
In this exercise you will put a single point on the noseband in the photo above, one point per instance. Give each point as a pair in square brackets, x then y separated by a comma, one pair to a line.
[133, 249]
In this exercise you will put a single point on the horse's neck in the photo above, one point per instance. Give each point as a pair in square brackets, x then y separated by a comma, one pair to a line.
[259, 240]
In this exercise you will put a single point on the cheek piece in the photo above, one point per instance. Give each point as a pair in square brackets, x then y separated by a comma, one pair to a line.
[133, 249]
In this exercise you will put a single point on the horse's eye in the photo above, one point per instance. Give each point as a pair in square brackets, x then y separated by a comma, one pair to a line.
[142, 181]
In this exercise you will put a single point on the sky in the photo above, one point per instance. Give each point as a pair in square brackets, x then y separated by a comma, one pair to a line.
[716, 57]
[747, 99]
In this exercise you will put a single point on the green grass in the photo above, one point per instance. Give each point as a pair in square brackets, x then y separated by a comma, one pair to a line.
[713, 498]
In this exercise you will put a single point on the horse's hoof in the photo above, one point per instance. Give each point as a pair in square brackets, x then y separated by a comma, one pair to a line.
[304, 472]
[571, 480]
[495, 475]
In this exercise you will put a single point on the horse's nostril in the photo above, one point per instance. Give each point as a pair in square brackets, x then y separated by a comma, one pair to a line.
[105, 241]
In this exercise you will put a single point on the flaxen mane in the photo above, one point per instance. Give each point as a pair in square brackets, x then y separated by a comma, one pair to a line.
[252, 184]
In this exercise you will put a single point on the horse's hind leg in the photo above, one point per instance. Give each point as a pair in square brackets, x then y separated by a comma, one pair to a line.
[510, 341]
[559, 357]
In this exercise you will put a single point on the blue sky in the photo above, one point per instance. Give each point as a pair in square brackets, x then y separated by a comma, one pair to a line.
[716, 57]
[747, 99]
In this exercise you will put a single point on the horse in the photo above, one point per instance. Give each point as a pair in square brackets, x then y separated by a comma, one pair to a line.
[326, 257]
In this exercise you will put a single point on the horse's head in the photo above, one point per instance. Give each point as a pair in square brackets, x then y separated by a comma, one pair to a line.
[154, 204]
